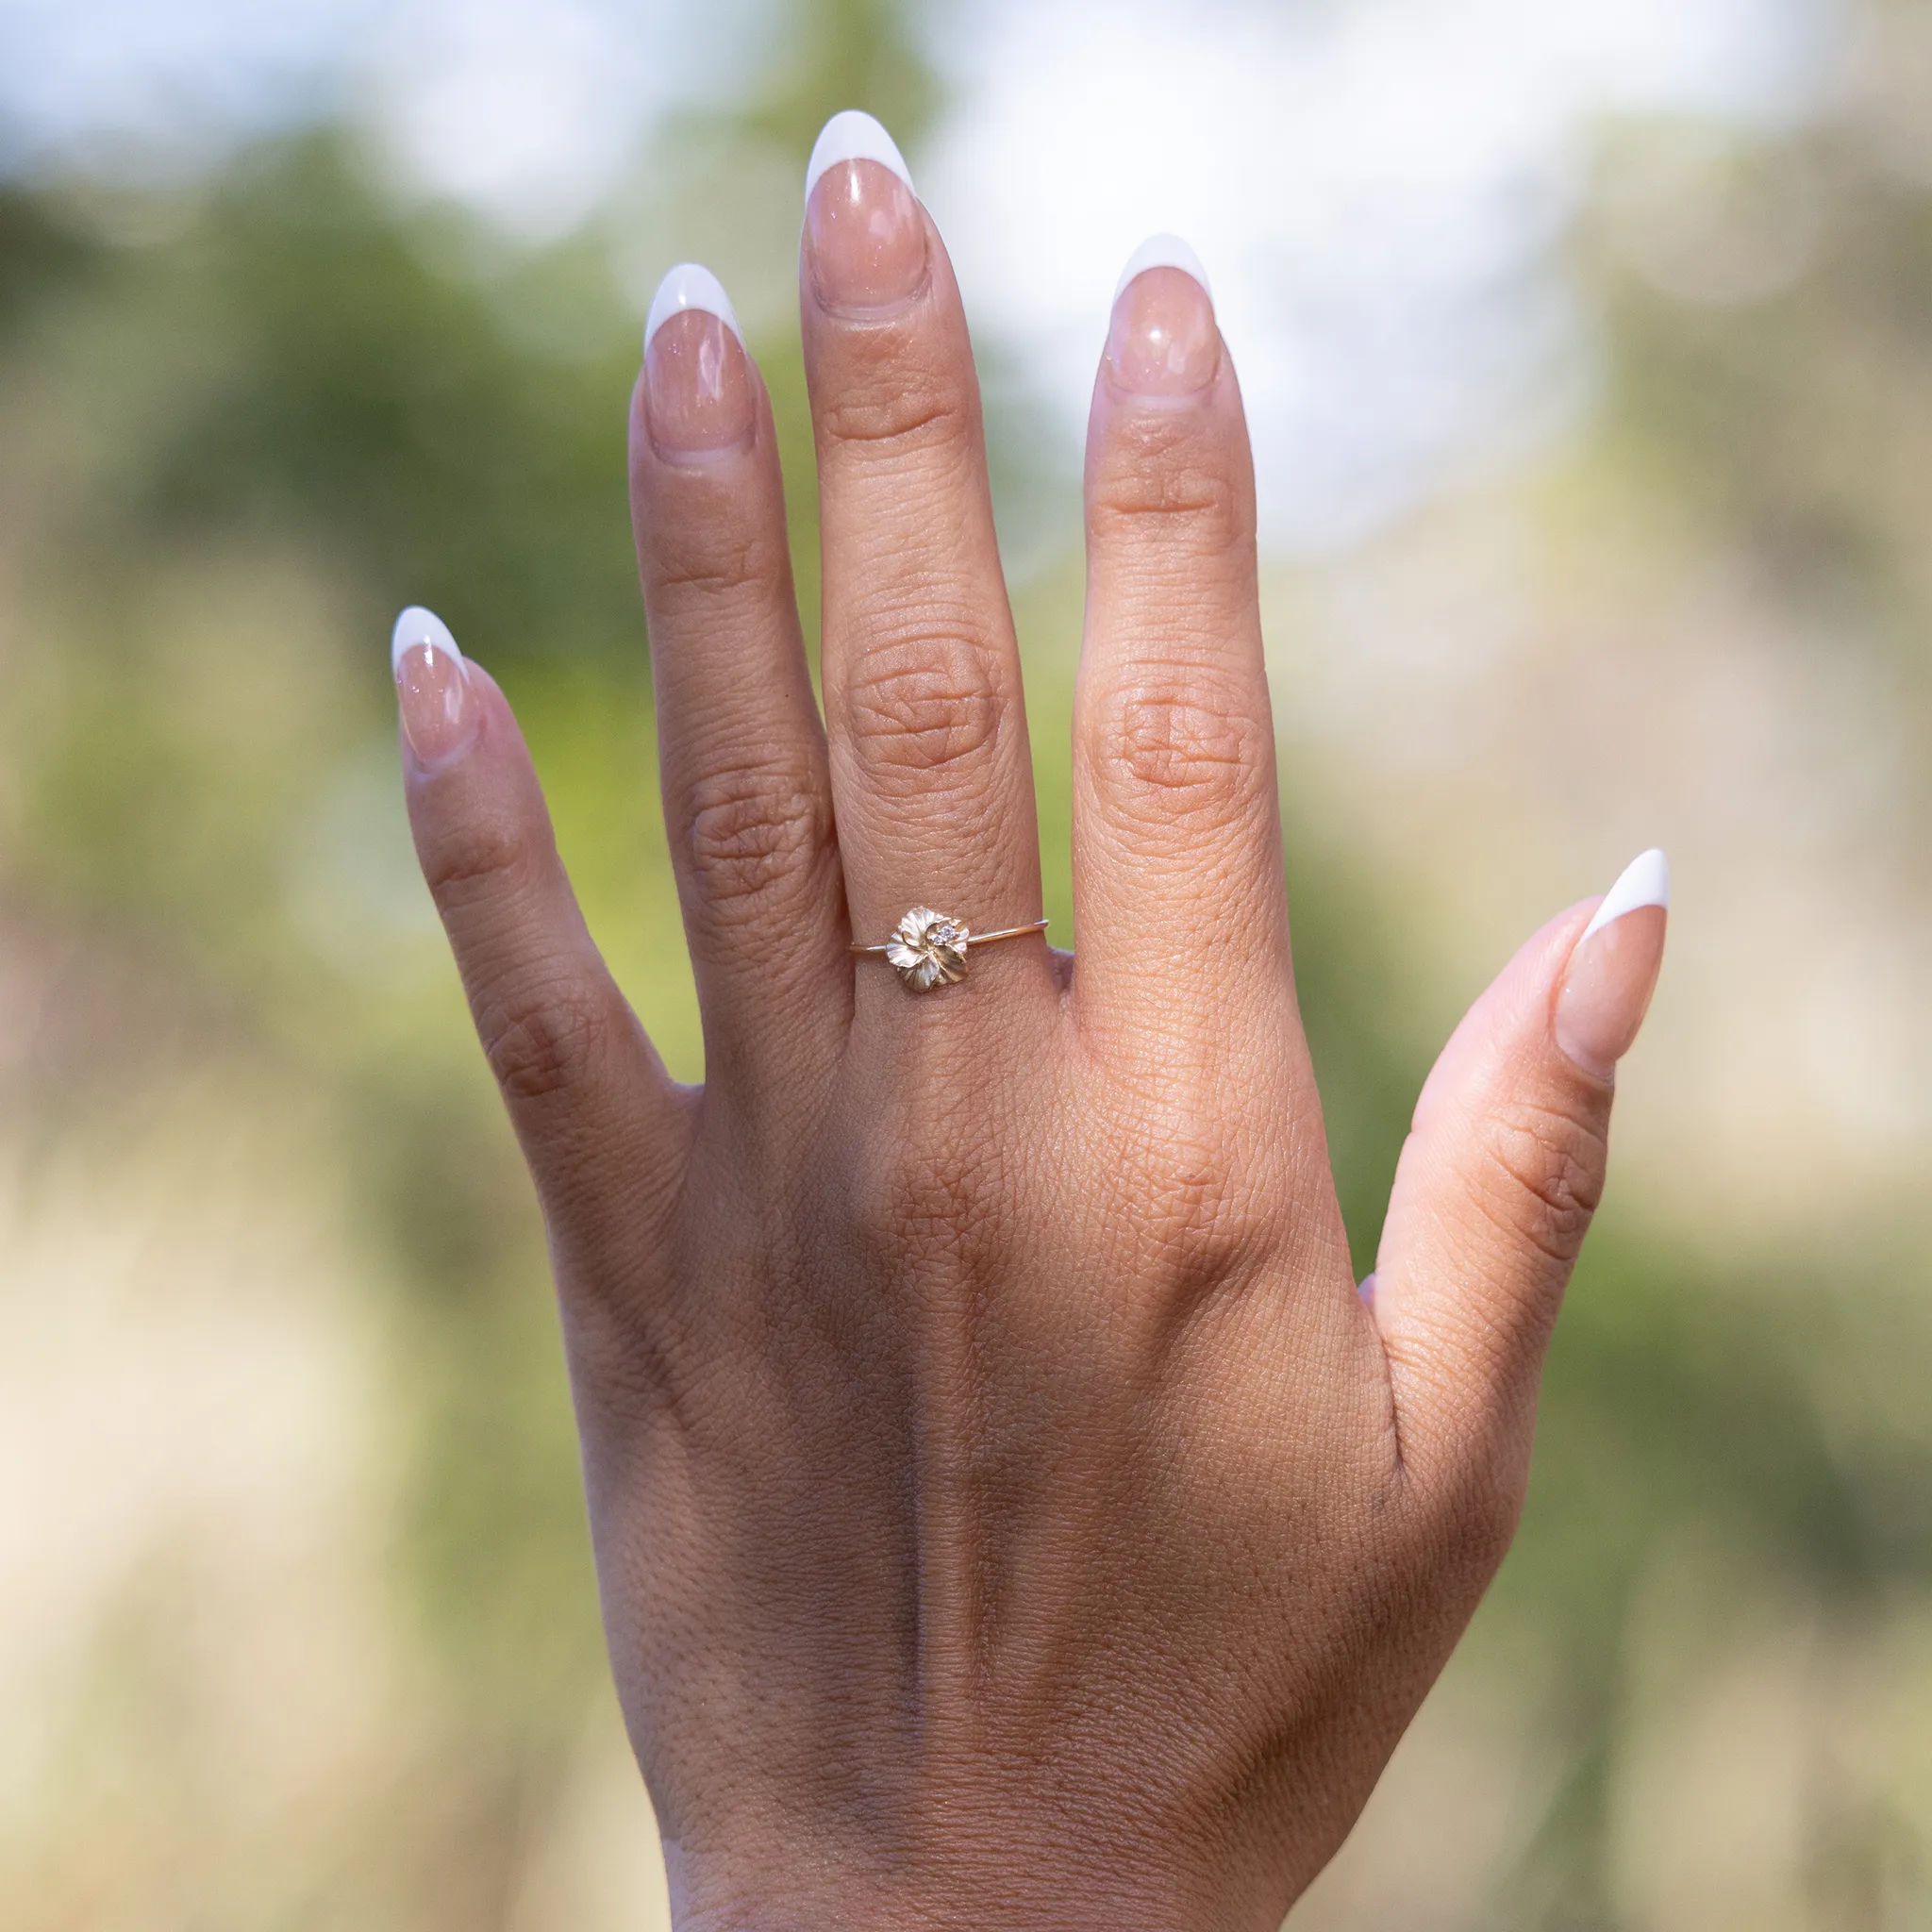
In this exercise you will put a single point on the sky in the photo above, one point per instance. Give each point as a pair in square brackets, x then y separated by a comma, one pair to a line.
[1379, 188]
[1378, 191]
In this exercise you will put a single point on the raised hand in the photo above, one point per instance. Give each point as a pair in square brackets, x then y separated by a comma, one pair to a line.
[1008, 1511]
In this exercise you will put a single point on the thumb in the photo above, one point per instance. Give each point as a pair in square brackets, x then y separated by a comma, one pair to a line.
[1498, 1180]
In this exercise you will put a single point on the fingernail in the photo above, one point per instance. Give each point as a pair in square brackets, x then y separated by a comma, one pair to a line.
[1614, 966]
[1163, 341]
[440, 715]
[697, 377]
[864, 234]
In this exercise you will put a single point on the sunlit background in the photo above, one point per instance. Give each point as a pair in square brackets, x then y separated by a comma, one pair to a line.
[1587, 346]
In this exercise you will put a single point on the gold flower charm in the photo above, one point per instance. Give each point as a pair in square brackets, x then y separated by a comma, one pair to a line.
[927, 949]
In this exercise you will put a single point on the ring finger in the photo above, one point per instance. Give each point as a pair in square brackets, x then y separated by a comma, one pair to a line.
[932, 779]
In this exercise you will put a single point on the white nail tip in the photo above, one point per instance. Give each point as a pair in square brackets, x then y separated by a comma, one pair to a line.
[853, 136]
[1646, 881]
[1162, 251]
[415, 627]
[690, 285]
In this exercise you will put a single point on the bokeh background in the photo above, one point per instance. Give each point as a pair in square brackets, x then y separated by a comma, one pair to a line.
[1589, 350]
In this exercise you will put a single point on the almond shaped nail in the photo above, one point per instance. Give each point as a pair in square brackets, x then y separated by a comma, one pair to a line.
[1613, 968]
[698, 389]
[864, 231]
[1162, 340]
[441, 716]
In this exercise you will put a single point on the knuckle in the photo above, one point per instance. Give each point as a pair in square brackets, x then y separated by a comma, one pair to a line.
[707, 562]
[1186, 750]
[1200, 1244]
[751, 830]
[891, 407]
[1181, 1191]
[1161, 485]
[541, 1039]
[924, 1206]
[927, 709]
[1545, 1176]
[485, 858]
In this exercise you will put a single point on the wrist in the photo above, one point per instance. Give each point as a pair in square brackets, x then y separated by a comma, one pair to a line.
[995, 1889]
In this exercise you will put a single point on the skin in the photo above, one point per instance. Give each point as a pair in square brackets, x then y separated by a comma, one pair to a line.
[1007, 1512]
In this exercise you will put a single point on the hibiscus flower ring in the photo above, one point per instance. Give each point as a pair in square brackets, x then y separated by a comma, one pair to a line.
[928, 948]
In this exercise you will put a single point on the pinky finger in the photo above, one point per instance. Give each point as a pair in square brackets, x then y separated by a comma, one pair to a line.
[600, 1122]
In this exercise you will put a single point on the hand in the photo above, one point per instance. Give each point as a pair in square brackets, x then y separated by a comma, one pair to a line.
[1008, 1512]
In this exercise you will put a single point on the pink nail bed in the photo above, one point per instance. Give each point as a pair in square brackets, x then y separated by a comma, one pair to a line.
[439, 708]
[864, 232]
[1614, 967]
[698, 390]
[1163, 339]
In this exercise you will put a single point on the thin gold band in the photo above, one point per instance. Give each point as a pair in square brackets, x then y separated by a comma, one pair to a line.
[977, 939]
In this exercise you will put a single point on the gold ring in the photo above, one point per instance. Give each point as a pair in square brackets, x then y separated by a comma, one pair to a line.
[928, 949]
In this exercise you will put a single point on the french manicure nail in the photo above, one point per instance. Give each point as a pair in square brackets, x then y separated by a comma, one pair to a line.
[864, 233]
[1613, 968]
[440, 715]
[697, 377]
[1163, 341]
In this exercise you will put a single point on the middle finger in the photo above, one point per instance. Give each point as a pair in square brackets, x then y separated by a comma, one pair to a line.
[932, 780]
